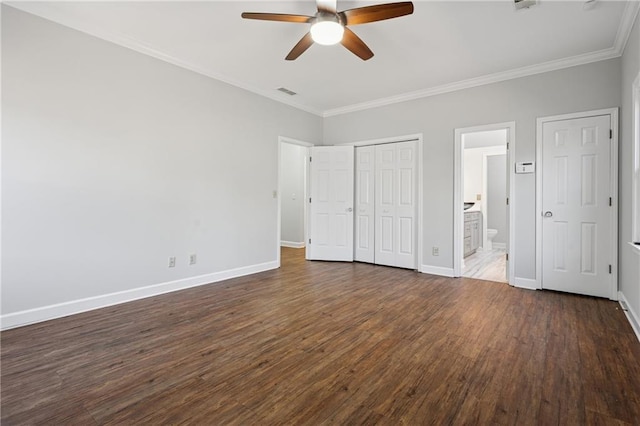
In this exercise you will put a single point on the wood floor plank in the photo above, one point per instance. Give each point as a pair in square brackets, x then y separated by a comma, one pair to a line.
[319, 343]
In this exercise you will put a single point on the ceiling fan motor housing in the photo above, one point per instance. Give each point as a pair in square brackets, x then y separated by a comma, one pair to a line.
[327, 28]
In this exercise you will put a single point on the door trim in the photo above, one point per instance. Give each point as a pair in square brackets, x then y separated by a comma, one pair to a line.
[613, 188]
[283, 140]
[458, 179]
[418, 137]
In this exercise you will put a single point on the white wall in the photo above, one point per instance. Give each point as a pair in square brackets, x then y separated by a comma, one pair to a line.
[474, 173]
[522, 100]
[292, 181]
[112, 161]
[472, 185]
[629, 259]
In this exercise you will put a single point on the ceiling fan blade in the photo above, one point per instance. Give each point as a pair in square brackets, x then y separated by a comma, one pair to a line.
[282, 17]
[326, 6]
[352, 42]
[380, 12]
[304, 43]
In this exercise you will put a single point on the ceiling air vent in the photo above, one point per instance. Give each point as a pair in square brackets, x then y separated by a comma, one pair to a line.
[524, 4]
[287, 91]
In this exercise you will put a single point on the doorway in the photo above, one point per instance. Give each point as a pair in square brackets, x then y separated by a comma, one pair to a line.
[483, 202]
[292, 193]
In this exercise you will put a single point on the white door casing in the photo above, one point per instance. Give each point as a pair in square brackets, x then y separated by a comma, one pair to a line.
[364, 205]
[395, 204]
[331, 203]
[577, 254]
[458, 212]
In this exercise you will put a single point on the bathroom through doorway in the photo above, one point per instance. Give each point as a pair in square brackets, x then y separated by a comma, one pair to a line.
[484, 191]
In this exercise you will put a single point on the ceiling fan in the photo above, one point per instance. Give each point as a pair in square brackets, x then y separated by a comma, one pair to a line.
[329, 26]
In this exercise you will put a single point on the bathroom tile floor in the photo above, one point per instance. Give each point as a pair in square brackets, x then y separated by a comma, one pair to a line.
[486, 265]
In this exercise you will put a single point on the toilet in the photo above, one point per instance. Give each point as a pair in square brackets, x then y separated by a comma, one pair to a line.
[491, 234]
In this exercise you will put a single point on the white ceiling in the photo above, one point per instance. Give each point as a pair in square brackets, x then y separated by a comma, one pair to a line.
[443, 46]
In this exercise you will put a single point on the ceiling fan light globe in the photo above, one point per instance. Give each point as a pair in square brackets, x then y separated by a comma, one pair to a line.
[327, 32]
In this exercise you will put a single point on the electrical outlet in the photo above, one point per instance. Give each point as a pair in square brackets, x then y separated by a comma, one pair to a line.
[435, 251]
[172, 262]
[192, 259]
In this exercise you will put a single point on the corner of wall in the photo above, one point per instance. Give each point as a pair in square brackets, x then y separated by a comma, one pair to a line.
[631, 315]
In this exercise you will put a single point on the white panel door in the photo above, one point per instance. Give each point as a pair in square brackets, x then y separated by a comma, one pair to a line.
[364, 207]
[576, 224]
[395, 205]
[331, 204]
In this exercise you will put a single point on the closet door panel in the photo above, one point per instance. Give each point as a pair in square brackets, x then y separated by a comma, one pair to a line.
[365, 221]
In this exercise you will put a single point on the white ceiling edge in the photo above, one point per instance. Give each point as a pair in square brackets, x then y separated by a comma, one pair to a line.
[622, 36]
[44, 10]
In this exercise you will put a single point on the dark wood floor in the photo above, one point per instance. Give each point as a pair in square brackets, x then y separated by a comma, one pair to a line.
[316, 343]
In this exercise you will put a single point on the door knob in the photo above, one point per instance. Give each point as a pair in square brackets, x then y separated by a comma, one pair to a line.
[349, 210]
[547, 214]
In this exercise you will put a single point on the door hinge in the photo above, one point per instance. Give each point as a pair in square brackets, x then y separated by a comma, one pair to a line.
[310, 158]
[507, 200]
[309, 240]
[507, 256]
[507, 145]
[610, 133]
[609, 268]
[309, 200]
[610, 204]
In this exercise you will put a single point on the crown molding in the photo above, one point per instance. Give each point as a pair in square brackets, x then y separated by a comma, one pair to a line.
[626, 25]
[559, 64]
[48, 11]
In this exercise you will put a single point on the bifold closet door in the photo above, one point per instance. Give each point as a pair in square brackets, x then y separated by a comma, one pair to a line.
[395, 204]
[365, 208]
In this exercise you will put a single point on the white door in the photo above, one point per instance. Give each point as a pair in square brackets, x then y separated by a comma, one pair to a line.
[576, 223]
[364, 207]
[331, 203]
[395, 204]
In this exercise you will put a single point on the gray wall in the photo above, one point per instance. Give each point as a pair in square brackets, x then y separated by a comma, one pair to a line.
[522, 100]
[629, 260]
[113, 161]
[496, 196]
[292, 170]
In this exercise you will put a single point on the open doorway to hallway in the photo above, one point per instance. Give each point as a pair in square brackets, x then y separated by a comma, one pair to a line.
[293, 162]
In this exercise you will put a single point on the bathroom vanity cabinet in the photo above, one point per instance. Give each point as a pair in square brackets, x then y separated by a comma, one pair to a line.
[472, 232]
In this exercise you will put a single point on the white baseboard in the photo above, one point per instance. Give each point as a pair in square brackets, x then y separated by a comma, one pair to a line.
[526, 283]
[45, 313]
[499, 245]
[291, 244]
[437, 270]
[632, 316]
